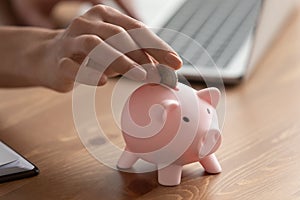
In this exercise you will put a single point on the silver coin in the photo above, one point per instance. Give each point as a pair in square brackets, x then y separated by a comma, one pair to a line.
[168, 76]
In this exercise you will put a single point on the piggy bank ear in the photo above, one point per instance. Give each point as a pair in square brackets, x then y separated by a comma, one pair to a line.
[210, 95]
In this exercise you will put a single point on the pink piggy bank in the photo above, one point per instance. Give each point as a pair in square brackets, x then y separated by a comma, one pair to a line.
[171, 128]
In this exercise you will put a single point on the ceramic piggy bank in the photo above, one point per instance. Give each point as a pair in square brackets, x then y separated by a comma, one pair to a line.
[171, 128]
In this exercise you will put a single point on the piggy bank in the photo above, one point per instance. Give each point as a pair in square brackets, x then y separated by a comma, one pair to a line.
[171, 128]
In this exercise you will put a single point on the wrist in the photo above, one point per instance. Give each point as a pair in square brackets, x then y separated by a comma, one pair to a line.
[38, 55]
[24, 51]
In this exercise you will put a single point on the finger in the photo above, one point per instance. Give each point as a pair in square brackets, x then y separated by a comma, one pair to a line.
[153, 75]
[112, 66]
[70, 69]
[102, 56]
[115, 36]
[81, 45]
[127, 6]
[145, 38]
[103, 80]
[156, 47]
[118, 38]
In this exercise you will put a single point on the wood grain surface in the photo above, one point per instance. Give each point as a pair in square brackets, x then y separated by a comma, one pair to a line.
[260, 153]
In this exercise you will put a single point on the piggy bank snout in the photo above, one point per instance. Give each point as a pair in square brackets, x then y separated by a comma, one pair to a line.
[210, 143]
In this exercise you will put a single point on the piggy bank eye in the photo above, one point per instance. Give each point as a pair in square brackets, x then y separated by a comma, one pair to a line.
[186, 119]
[208, 111]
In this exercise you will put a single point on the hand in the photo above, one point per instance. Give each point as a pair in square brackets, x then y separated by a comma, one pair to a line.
[54, 60]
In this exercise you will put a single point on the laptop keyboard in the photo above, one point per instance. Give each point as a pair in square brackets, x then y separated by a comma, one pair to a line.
[219, 26]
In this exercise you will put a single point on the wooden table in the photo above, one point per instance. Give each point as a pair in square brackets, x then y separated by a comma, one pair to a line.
[260, 154]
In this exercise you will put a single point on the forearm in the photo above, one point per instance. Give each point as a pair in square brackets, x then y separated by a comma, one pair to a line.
[21, 53]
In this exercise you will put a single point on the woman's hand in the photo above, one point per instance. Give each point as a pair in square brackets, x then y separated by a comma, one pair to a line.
[97, 26]
[52, 58]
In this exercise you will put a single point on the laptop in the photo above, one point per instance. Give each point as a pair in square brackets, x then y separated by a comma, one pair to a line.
[235, 33]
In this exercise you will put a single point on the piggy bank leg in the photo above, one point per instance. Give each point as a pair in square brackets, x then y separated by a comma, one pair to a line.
[127, 160]
[170, 175]
[211, 164]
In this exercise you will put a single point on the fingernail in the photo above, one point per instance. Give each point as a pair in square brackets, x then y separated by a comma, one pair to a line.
[103, 80]
[173, 60]
[137, 73]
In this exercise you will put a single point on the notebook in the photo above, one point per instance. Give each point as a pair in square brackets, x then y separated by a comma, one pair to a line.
[14, 166]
